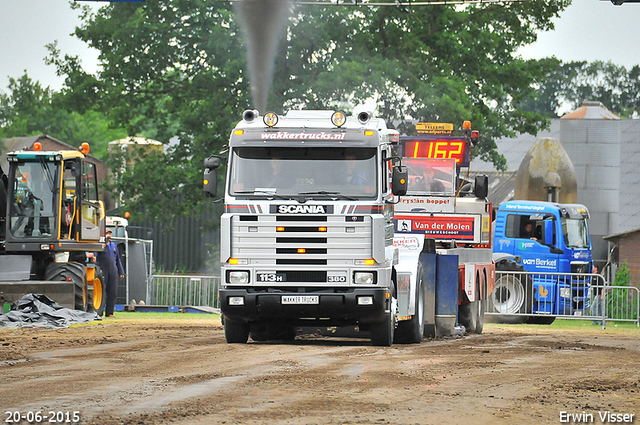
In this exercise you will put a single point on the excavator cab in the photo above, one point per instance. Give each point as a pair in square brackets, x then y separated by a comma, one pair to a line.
[53, 203]
[51, 217]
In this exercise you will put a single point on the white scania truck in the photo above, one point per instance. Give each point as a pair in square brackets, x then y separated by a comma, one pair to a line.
[307, 232]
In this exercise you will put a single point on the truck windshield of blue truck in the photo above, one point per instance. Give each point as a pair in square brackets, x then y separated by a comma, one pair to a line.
[576, 233]
[258, 172]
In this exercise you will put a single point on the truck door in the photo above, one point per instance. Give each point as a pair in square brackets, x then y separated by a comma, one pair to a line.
[536, 245]
[90, 207]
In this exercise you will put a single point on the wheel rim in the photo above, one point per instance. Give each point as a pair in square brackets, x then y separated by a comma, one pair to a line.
[508, 295]
[97, 293]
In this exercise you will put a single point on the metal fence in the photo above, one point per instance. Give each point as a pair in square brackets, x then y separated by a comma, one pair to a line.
[185, 290]
[136, 256]
[541, 297]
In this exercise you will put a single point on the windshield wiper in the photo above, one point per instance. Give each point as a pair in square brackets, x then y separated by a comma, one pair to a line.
[337, 195]
[267, 193]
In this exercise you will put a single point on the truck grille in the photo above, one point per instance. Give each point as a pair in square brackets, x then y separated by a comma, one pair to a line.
[298, 240]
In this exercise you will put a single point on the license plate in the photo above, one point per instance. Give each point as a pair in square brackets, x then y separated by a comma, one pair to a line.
[300, 299]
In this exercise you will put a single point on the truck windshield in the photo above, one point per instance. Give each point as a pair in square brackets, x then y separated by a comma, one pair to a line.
[576, 233]
[431, 177]
[32, 212]
[285, 171]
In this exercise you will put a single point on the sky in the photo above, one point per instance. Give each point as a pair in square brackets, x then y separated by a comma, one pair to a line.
[587, 30]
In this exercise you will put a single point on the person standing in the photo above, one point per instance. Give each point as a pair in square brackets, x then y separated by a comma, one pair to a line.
[111, 266]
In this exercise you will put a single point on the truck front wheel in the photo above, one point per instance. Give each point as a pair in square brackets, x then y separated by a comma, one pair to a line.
[411, 331]
[236, 332]
[382, 333]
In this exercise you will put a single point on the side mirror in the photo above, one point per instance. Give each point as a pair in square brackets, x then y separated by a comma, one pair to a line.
[75, 169]
[210, 178]
[481, 187]
[399, 180]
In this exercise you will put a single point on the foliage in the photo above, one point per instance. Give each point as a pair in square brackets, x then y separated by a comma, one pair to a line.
[176, 68]
[29, 110]
[436, 63]
[619, 304]
[569, 84]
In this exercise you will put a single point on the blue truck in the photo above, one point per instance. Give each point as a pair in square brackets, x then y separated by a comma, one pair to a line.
[551, 242]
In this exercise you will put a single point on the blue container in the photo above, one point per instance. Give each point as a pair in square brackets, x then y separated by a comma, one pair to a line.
[447, 292]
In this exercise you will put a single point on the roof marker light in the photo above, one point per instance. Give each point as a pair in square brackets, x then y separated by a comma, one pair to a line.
[338, 118]
[270, 119]
[37, 146]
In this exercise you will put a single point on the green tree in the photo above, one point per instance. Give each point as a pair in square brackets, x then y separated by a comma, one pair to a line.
[29, 109]
[179, 67]
[567, 85]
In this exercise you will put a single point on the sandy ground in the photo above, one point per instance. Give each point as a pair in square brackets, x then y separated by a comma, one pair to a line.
[123, 371]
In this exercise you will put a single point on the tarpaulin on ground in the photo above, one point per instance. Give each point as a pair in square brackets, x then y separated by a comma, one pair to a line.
[40, 311]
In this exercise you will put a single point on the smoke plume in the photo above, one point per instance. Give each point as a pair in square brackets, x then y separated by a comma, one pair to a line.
[263, 23]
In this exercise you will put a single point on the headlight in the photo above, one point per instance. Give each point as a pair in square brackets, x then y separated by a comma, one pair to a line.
[565, 292]
[238, 277]
[363, 278]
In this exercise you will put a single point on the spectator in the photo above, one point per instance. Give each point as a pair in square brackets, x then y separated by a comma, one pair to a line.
[109, 262]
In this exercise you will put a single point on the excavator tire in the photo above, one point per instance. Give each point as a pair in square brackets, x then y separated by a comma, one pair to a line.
[71, 272]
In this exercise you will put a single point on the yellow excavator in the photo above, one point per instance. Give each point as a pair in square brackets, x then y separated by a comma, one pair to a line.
[51, 216]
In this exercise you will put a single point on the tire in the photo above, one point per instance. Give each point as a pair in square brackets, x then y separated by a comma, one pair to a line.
[259, 332]
[482, 303]
[541, 320]
[70, 272]
[236, 332]
[271, 331]
[513, 293]
[412, 331]
[97, 298]
[382, 333]
[468, 316]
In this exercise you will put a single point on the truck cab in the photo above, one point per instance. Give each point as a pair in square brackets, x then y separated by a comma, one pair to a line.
[551, 241]
[307, 232]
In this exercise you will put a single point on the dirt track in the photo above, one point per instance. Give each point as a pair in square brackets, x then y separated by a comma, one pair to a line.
[182, 371]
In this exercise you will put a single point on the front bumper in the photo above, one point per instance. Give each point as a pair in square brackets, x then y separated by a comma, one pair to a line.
[335, 307]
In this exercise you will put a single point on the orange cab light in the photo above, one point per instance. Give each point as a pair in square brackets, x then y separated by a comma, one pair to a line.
[466, 125]
[322, 229]
[279, 229]
[84, 148]
[127, 214]
[368, 132]
[37, 146]
[369, 262]
[238, 132]
[301, 250]
[233, 261]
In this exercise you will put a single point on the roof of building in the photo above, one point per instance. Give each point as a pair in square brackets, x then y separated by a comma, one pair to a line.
[615, 236]
[501, 185]
[591, 110]
[19, 143]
